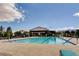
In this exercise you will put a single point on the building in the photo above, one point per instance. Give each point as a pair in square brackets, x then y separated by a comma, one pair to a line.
[39, 31]
[21, 33]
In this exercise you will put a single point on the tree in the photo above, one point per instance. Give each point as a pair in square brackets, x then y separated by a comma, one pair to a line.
[77, 36]
[26, 33]
[17, 33]
[1, 31]
[58, 34]
[67, 33]
[72, 33]
[9, 33]
[21, 33]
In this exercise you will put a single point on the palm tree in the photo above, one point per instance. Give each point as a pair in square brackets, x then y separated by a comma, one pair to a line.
[9, 33]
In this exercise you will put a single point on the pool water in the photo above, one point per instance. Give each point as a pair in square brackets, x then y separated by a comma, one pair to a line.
[41, 40]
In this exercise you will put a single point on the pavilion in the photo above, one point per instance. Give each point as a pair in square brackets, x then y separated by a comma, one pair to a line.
[39, 31]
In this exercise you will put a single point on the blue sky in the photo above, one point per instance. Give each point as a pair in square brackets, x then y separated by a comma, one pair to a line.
[51, 16]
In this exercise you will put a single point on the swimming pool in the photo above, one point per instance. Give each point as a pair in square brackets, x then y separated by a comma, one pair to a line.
[41, 40]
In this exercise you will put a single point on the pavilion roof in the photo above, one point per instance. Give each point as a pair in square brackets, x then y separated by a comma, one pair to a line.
[39, 29]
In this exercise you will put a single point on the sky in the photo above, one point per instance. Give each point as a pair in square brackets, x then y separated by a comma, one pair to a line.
[29, 15]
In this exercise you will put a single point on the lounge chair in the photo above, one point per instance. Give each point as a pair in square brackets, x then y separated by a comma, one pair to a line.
[67, 53]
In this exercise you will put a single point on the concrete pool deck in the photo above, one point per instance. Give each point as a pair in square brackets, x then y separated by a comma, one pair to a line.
[17, 49]
[14, 49]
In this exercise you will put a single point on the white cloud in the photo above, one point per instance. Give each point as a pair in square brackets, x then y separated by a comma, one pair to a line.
[76, 14]
[9, 12]
[65, 28]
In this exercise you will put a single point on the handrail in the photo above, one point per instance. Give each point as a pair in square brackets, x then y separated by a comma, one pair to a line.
[68, 41]
[62, 39]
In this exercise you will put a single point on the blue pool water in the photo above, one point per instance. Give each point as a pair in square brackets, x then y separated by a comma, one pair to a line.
[42, 40]
[67, 53]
